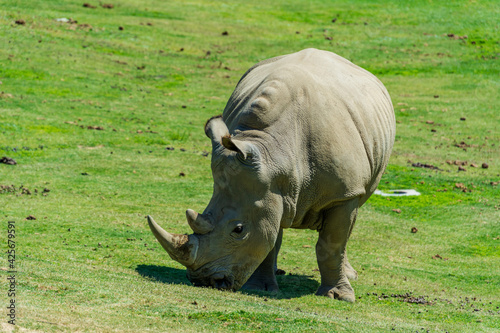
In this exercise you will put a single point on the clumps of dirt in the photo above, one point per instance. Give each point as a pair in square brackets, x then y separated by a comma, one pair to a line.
[89, 127]
[407, 297]
[31, 217]
[454, 36]
[99, 128]
[437, 256]
[103, 5]
[397, 210]
[457, 162]
[7, 160]
[145, 131]
[462, 187]
[463, 145]
[20, 22]
[426, 166]
[21, 190]
[462, 164]
[414, 230]
[73, 24]
[412, 299]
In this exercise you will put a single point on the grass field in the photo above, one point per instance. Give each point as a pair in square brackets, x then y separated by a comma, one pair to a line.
[91, 98]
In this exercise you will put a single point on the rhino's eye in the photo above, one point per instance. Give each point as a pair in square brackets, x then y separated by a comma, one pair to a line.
[238, 229]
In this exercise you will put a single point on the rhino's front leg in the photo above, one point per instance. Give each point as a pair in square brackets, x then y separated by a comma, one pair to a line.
[349, 271]
[330, 251]
[264, 277]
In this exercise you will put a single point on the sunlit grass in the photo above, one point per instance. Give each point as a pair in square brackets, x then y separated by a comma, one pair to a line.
[88, 110]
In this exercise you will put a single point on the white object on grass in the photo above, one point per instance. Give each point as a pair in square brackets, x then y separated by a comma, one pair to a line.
[396, 193]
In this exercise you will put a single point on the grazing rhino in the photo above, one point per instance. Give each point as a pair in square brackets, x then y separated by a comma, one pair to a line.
[302, 143]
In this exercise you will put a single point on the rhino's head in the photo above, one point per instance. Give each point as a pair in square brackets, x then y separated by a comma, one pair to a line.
[240, 225]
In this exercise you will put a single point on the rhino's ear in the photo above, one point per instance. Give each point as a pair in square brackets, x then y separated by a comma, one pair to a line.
[215, 129]
[246, 150]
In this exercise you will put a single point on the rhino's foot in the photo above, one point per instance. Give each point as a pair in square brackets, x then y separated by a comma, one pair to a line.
[350, 272]
[262, 285]
[342, 291]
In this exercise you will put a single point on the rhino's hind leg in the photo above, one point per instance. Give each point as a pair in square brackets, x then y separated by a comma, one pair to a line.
[264, 277]
[330, 251]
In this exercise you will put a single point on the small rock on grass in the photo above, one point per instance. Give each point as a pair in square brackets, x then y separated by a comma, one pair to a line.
[414, 230]
[31, 217]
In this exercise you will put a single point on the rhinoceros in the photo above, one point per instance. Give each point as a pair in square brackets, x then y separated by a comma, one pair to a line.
[302, 143]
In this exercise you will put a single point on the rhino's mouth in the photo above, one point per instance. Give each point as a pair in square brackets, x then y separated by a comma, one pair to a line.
[219, 280]
[210, 275]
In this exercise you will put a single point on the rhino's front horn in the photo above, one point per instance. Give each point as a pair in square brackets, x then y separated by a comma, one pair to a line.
[198, 223]
[181, 248]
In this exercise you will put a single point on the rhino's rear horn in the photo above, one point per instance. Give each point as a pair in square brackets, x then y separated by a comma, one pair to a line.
[181, 248]
[198, 223]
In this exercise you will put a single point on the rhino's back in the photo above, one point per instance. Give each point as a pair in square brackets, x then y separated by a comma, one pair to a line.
[335, 118]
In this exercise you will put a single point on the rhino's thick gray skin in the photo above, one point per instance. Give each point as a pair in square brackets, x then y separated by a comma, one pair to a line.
[302, 143]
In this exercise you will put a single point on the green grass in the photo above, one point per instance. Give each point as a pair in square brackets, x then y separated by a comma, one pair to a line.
[89, 262]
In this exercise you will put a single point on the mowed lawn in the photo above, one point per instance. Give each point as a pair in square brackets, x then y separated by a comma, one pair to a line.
[102, 107]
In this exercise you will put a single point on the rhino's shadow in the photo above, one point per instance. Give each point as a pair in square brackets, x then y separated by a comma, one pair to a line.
[163, 274]
[291, 286]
